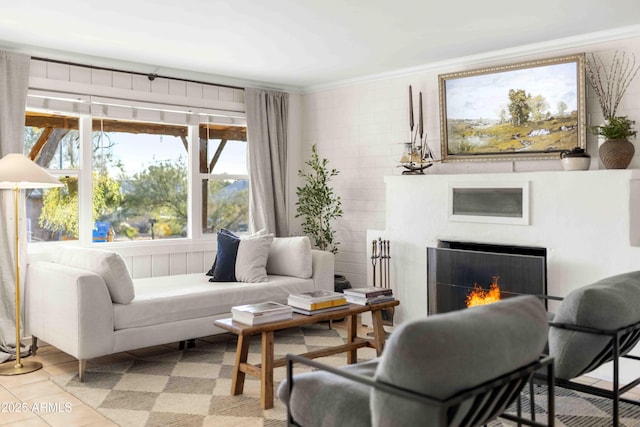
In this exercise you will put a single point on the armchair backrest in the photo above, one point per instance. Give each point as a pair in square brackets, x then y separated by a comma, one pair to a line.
[445, 354]
[608, 304]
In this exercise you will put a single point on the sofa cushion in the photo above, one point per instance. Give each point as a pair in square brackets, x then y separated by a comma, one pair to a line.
[108, 264]
[290, 256]
[447, 353]
[224, 266]
[610, 303]
[168, 299]
[251, 262]
[241, 259]
[323, 399]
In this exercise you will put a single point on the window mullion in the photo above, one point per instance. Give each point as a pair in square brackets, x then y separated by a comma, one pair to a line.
[195, 185]
[85, 183]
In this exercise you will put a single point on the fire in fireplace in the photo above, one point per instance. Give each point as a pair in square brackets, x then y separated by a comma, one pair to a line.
[455, 271]
[479, 296]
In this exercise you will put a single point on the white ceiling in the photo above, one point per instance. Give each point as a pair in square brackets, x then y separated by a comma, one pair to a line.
[295, 44]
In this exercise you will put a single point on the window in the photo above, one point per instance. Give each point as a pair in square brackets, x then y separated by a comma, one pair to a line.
[225, 191]
[139, 180]
[53, 142]
[126, 171]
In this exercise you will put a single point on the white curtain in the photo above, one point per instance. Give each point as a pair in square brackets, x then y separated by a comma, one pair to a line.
[14, 79]
[267, 116]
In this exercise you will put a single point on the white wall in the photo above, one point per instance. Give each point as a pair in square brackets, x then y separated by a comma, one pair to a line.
[360, 127]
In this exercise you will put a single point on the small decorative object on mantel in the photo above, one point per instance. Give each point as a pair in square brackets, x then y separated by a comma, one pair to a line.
[417, 155]
[575, 159]
[617, 151]
[610, 86]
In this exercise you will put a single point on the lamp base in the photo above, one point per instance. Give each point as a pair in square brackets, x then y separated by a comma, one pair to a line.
[12, 368]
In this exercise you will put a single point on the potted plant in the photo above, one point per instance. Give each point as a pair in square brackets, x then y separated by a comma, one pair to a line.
[617, 151]
[319, 207]
[610, 84]
[317, 204]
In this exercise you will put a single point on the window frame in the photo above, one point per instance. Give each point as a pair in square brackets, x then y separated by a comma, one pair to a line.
[204, 137]
[194, 195]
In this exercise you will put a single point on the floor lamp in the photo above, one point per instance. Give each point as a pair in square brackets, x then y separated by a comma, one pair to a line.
[18, 172]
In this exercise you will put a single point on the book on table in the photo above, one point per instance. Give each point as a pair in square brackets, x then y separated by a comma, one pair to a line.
[322, 310]
[319, 295]
[316, 300]
[371, 300]
[368, 292]
[264, 312]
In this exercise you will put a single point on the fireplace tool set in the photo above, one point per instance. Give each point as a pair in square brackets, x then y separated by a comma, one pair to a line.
[381, 251]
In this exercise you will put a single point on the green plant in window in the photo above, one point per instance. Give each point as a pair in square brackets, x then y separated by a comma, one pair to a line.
[60, 205]
[317, 204]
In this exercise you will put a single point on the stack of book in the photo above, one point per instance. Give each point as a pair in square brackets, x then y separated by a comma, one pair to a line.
[314, 302]
[264, 312]
[369, 295]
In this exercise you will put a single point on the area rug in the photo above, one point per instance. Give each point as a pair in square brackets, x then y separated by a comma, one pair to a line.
[165, 386]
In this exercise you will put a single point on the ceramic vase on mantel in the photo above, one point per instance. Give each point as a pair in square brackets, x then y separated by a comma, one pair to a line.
[616, 153]
[575, 160]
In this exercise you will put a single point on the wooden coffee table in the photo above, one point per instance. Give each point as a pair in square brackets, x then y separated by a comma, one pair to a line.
[264, 370]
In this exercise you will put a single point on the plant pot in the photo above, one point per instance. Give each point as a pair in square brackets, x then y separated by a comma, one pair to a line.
[616, 153]
[340, 283]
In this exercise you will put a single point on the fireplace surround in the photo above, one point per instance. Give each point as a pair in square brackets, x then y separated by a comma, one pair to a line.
[588, 221]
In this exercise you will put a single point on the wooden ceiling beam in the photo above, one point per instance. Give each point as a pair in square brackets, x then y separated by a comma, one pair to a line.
[42, 139]
[230, 133]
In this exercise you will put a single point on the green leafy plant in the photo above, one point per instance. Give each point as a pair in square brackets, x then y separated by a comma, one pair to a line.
[317, 204]
[616, 128]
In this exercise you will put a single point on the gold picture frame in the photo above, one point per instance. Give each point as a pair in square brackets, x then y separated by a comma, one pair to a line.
[532, 110]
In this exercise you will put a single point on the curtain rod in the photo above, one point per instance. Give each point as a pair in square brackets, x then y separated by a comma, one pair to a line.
[150, 76]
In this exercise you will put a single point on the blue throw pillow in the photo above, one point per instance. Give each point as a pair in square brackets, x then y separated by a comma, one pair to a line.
[213, 267]
[224, 267]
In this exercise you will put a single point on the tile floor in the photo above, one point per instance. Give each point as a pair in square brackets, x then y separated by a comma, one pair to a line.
[33, 400]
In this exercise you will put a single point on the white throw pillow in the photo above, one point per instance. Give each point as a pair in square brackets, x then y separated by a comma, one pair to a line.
[251, 260]
[109, 265]
[290, 256]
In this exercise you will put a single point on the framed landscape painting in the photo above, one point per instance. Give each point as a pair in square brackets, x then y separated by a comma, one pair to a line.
[530, 110]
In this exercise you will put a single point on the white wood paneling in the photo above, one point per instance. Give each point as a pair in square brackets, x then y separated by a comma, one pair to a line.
[160, 265]
[178, 263]
[141, 266]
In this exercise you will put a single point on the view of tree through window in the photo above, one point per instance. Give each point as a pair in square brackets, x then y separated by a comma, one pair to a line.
[54, 143]
[139, 179]
[226, 189]
[140, 170]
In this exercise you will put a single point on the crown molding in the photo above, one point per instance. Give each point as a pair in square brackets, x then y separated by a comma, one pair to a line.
[510, 53]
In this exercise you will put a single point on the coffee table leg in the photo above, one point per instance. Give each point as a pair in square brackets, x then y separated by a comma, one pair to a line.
[242, 352]
[352, 323]
[378, 331]
[266, 370]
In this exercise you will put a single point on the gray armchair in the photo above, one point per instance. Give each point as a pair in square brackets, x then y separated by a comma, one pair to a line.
[461, 368]
[596, 324]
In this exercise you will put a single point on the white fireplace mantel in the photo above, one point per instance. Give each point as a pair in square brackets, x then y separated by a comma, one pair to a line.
[589, 222]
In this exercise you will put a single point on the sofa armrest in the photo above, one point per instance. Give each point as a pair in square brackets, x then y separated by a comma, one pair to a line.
[70, 309]
[323, 268]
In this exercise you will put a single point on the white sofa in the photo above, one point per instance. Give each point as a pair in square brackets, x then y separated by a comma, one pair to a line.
[97, 309]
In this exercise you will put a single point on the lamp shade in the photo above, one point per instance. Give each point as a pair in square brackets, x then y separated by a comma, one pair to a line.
[18, 171]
